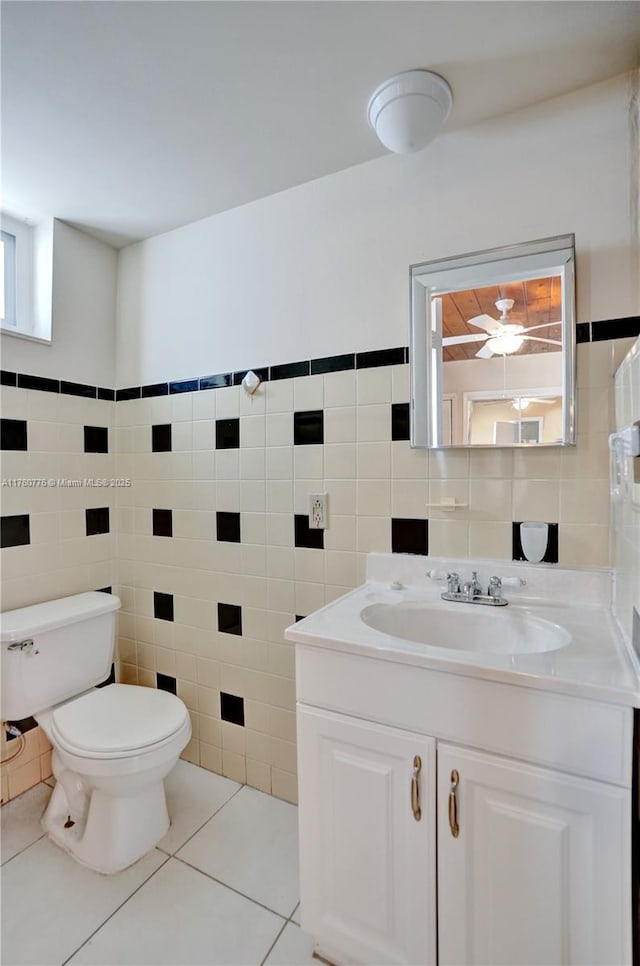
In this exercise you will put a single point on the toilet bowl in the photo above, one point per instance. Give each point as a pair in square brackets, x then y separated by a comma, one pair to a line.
[113, 746]
[112, 749]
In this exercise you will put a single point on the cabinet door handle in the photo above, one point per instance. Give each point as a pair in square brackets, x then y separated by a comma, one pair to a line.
[415, 788]
[453, 804]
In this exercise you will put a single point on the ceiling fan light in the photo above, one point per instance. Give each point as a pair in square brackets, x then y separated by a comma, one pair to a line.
[408, 110]
[505, 345]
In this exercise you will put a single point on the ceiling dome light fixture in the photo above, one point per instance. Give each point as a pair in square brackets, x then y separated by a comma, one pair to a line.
[408, 110]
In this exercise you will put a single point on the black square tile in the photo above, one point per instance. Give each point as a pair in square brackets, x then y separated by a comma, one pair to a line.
[97, 520]
[232, 708]
[227, 433]
[333, 363]
[380, 357]
[108, 680]
[23, 725]
[162, 606]
[41, 383]
[13, 434]
[15, 531]
[230, 619]
[96, 439]
[409, 536]
[308, 427]
[155, 389]
[8, 378]
[163, 523]
[290, 369]
[109, 394]
[161, 438]
[78, 389]
[306, 536]
[400, 428]
[183, 385]
[228, 527]
[132, 392]
[165, 682]
[551, 555]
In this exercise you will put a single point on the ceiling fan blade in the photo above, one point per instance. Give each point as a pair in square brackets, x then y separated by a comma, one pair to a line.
[484, 322]
[533, 338]
[460, 339]
[546, 325]
[485, 353]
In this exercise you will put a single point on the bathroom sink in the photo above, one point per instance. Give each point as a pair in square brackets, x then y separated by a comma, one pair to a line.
[465, 627]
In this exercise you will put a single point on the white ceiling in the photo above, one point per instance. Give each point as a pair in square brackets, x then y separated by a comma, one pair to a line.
[131, 118]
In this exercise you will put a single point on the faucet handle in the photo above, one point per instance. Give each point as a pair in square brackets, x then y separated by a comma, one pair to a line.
[453, 583]
[495, 587]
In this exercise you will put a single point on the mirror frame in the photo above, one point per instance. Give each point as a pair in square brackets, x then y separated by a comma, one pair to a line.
[474, 270]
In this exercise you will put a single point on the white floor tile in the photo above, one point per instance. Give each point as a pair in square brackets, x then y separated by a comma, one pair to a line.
[294, 948]
[193, 795]
[251, 845]
[182, 917]
[51, 904]
[20, 820]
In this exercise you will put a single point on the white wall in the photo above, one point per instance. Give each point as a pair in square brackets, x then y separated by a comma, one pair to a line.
[323, 268]
[83, 315]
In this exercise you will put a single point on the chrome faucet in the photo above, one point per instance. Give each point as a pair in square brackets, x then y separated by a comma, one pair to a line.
[471, 591]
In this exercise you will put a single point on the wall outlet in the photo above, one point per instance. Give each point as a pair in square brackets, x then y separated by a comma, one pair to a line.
[318, 511]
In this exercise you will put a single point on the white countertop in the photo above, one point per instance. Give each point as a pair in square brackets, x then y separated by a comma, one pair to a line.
[596, 664]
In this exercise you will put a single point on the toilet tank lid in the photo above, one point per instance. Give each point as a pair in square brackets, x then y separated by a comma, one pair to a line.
[16, 625]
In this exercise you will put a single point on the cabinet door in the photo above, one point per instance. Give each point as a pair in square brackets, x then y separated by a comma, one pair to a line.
[367, 864]
[540, 871]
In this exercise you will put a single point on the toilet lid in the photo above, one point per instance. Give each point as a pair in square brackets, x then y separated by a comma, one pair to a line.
[118, 718]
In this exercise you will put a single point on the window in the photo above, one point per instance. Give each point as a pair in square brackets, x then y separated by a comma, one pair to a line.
[8, 278]
[25, 277]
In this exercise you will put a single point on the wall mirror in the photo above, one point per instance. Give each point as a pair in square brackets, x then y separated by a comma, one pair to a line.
[493, 347]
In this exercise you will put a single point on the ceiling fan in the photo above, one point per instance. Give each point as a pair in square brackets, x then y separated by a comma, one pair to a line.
[502, 337]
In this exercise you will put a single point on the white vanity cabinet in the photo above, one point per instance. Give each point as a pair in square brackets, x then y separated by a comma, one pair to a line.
[540, 870]
[367, 839]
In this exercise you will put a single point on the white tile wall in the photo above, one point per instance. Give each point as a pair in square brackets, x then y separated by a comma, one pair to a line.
[368, 478]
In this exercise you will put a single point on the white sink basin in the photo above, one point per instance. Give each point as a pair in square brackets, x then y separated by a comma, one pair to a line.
[466, 627]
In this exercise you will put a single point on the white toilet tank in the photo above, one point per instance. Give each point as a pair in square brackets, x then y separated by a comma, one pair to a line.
[73, 645]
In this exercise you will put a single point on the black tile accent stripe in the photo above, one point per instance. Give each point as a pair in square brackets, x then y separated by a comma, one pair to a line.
[380, 357]
[218, 381]
[162, 606]
[13, 434]
[290, 369]
[603, 329]
[409, 536]
[161, 438]
[96, 439]
[162, 523]
[165, 682]
[230, 619]
[306, 536]
[262, 374]
[40, 383]
[551, 555]
[227, 433]
[184, 385]
[583, 332]
[157, 389]
[97, 520]
[227, 527]
[78, 389]
[104, 590]
[400, 421]
[124, 394]
[616, 329]
[333, 363]
[232, 708]
[15, 531]
[308, 427]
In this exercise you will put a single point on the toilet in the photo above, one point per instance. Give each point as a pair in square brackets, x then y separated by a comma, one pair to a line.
[113, 746]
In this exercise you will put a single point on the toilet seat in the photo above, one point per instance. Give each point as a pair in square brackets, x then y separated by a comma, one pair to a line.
[117, 721]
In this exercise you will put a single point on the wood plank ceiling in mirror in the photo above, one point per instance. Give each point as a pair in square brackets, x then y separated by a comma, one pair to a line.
[536, 302]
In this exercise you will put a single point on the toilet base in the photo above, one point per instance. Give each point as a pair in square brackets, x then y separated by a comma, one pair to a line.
[114, 832]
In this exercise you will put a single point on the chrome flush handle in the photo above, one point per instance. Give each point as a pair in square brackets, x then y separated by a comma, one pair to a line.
[26, 647]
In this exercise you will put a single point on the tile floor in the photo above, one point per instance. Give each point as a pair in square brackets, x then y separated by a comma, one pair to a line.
[220, 888]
